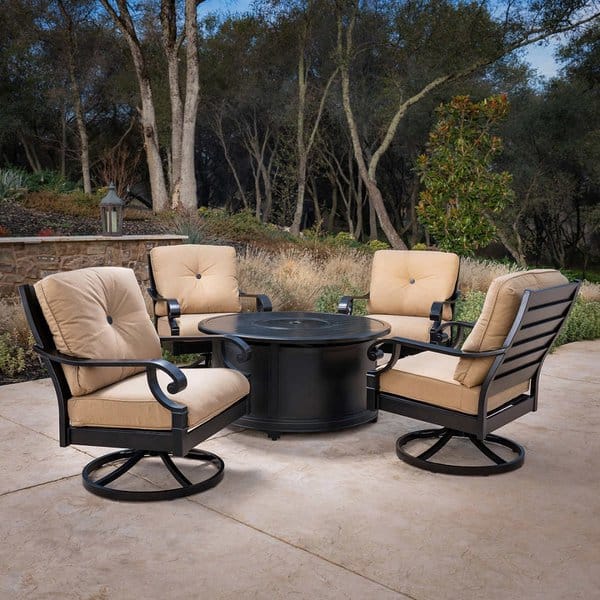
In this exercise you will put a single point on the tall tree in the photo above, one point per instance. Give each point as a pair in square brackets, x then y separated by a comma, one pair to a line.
[123, 19]
[479, 40]
[308, 14]
[66, 11]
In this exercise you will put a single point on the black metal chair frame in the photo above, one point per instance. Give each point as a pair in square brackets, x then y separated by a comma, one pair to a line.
[178, 441]
[198, 345]
[539, 320]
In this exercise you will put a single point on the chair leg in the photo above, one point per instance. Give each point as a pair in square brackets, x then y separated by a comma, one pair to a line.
[129, 458]
[443, 436]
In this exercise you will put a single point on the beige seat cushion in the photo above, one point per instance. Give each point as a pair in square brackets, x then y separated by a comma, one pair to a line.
[407, 282]
[97, 312]
[203, 279]
[497, 316]
[188, 324]
[130, 404]
[414, 328]
[429, 377]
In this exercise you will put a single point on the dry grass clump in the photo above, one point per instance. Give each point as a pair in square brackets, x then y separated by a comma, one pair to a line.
[590, 291]
[295, 279]
[476, 275]
[12, 318]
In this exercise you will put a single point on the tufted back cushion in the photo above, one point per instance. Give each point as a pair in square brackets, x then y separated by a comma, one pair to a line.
[407, 282]
[497, 317]
[97, 312]
[203, 279]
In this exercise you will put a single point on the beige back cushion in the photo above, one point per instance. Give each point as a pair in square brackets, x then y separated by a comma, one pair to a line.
[407, 282]
[203, 279]
[97, 313]
[497, 317]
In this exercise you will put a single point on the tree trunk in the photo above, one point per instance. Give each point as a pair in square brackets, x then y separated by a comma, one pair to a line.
[63, 142]
[189, 194]
[304, 145]
[124, 22]
[171, 46]
[83, 136]
[334, 203]
[300, 144]
[315, 199]
[368, 178]
[84, 147]
[218, 129]
[372, 222]
[414, 222]
[30, 153]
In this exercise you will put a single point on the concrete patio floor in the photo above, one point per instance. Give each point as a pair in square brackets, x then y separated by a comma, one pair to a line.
[314, 516]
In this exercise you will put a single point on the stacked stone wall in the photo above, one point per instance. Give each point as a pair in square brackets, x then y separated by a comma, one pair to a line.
[26, 260]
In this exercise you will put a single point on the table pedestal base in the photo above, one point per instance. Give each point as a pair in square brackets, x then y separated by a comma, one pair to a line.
[297, 388]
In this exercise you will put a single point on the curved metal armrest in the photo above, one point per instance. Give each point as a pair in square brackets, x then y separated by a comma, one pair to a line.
[437, 334]
[263, 302]
[346, 303]
[178, 380]
[173, 307]
[437, 308]
[398, 342]
[245, 350]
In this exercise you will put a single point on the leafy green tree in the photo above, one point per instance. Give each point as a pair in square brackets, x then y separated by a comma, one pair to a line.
[461, 189]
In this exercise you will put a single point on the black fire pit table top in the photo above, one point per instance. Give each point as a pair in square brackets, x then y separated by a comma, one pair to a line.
[297, 327]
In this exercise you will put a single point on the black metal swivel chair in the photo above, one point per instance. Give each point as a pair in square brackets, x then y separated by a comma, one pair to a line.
[492, 380]
[189, 283]
[102, 352]
[412, 290]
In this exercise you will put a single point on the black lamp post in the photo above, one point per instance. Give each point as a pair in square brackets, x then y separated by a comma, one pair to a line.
[111, 212]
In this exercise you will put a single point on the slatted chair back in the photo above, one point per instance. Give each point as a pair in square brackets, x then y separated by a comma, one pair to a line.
[539, 320]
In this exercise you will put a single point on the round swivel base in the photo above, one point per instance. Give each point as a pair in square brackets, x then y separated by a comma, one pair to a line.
[129, 458]
[443, 436]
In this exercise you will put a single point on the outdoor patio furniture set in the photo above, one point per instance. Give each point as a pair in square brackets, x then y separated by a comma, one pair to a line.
[286, 372]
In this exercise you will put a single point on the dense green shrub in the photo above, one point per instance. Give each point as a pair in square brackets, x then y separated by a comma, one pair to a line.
[583, 323]
[75, 203]
[469, 305]
[331, 295]
[242, 226]
[13, 353]
[49, 181]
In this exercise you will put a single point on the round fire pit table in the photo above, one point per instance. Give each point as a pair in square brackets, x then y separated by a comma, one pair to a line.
[308, 370]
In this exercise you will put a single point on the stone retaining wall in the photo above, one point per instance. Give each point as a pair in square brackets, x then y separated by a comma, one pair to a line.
[28, 259]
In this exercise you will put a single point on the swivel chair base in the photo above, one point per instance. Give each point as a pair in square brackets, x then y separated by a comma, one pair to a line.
[129, 458]
[443, 436]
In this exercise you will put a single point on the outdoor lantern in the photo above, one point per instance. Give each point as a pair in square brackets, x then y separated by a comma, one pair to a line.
[111, 212]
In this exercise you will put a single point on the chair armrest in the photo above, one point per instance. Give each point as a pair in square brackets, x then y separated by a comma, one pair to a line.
[245, 350]
[437, 335]
[398, 342]
[178, 380]
[346, 303]
[263, 302]
[437, 308]
[173, 309]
